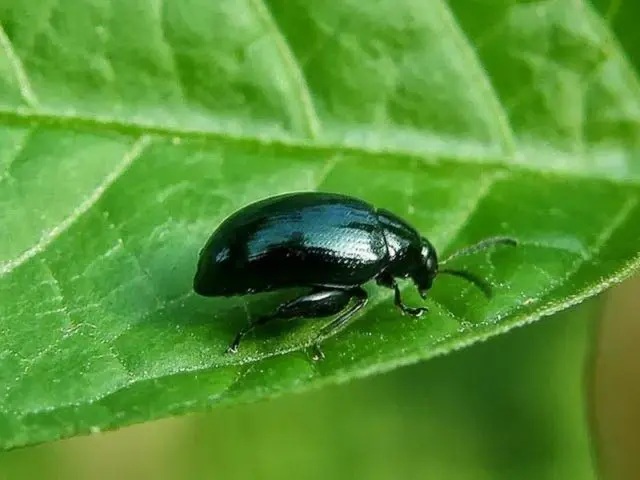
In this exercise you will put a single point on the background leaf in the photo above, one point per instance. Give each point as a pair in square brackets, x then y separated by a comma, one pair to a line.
[129, 130]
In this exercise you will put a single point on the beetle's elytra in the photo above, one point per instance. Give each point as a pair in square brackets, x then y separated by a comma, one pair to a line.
[330, 243]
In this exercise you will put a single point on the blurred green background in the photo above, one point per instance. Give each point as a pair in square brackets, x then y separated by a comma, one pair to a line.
[512, 407]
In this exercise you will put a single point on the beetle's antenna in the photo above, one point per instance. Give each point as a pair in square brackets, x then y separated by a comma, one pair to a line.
[484, 244]
[472, 278]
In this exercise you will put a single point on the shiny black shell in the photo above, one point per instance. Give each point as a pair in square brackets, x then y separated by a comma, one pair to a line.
[298, 240]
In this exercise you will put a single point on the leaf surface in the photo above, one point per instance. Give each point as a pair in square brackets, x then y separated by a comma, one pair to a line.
[130, 129]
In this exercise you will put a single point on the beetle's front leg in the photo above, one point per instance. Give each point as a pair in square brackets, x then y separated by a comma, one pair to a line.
[386, 280]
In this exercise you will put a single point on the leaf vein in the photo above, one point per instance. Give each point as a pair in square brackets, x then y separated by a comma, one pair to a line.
[570, 167]
[299, 82]
[26, 90]
[616, 222]
[11, 162]
[45, 240]
[72, 328]
[150, 282]
[482, 77]
[329, 165]
[171, 53]
[462, 217]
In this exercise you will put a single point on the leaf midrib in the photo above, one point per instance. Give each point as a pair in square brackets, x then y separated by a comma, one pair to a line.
[292, 143]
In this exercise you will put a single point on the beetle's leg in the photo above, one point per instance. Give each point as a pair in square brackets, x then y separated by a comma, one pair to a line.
[388, 281]
[319, 303]
[361, 297]
[233, 348]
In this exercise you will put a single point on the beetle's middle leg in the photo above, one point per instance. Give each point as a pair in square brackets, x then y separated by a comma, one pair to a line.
[360, 296]
[386, 280]
[318, 303]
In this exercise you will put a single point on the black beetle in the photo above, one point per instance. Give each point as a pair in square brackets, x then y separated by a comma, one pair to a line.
[330, 243]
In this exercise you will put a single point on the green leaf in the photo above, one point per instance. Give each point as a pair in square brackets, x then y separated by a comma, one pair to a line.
[130, 129]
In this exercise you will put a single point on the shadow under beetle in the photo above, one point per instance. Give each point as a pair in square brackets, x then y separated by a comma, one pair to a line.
[328, 242]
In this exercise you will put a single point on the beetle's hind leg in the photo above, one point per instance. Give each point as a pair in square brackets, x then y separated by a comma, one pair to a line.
[386, 280]
[360, 296]
[318, 303]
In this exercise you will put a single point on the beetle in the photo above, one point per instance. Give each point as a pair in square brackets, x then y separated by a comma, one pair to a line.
[329, 243]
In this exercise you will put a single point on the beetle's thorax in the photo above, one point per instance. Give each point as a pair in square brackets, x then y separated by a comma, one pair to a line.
[403, 244]
[409, 254]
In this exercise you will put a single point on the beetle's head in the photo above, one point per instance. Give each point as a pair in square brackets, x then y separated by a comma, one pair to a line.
[427, 269]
